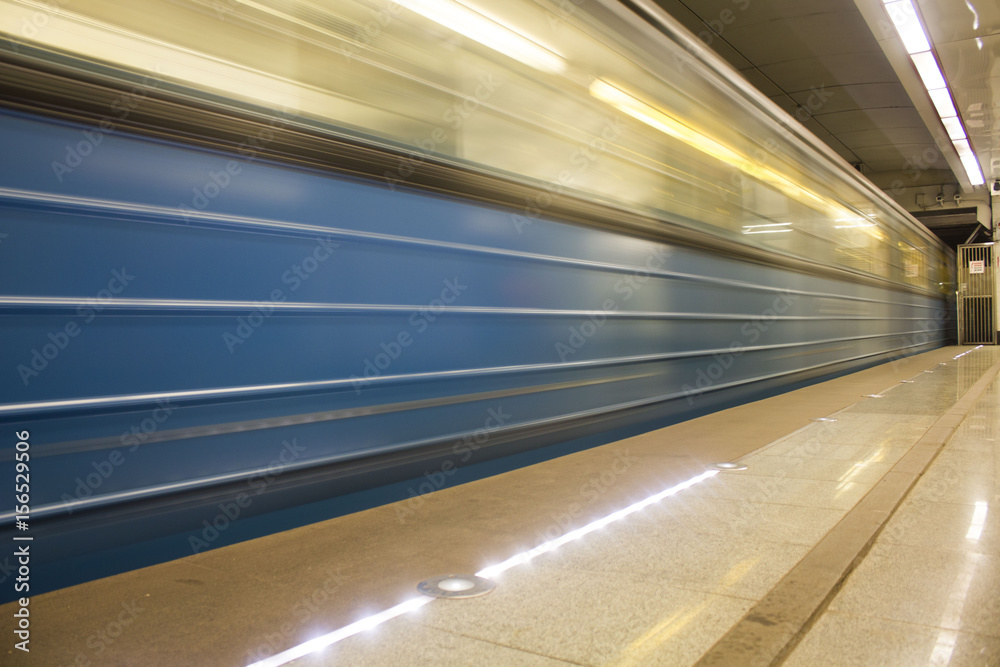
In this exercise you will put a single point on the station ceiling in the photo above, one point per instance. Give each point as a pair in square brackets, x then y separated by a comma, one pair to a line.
[839, 68]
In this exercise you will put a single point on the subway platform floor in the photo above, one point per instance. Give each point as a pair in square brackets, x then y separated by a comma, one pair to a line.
[863, 531]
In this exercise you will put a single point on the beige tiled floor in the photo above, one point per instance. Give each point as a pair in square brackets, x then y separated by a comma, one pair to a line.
[842, 640]
[659, 587]
[928, 593]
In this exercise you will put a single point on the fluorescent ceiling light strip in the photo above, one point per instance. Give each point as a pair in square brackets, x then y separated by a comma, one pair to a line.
[971, 165]
[488, 32]
[929, 71]
[525, 556]
[904, 17]
[954, 127]
[942, 102]
[412, 604]
[767, 231]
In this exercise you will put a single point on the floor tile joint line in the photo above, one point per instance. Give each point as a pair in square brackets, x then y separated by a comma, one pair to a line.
[736, 636]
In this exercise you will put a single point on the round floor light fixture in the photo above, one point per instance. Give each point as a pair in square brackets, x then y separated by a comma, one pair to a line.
[456, 586]
[728, 465]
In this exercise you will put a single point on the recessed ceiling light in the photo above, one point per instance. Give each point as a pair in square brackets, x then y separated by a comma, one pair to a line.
[962, 147]
[972, 169]
[942, 102]
[929, 71]
[954, 127]
[904, 17]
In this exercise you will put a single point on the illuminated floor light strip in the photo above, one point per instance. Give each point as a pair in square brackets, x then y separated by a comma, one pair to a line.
[967, 352]
[374, 620]
[525, 556]
[330, 638]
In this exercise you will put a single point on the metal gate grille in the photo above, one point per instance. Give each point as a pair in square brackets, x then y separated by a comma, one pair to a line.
[976, 294]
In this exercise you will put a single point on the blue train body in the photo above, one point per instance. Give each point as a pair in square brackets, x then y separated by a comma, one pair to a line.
[215, 325]
[299, 320]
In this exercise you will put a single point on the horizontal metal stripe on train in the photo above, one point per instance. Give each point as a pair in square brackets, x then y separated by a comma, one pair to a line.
[223, 393]
[207, 307]
[45, 511]
[92, 444]
[113, 402]
[167, 215]
[277, 422]
[32, 84]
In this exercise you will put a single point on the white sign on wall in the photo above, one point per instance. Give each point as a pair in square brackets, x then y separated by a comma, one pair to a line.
[977, 266]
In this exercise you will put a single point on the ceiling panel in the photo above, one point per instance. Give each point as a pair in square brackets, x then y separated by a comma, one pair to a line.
[834, 99]
[761, 82]
[684, 14]
[802, 38]
[871, 119]
[967, 63]
[787, 104]
[973, 73]
[845, 68]
[832, 141]
[957, 20]
[890, 157]
[775, 10]
[723, 14]
[886, 135]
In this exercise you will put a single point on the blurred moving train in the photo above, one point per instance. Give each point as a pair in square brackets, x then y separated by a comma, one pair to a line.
[257, 254]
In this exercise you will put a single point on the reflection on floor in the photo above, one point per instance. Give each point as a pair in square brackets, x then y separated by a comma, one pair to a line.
[927, 592]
